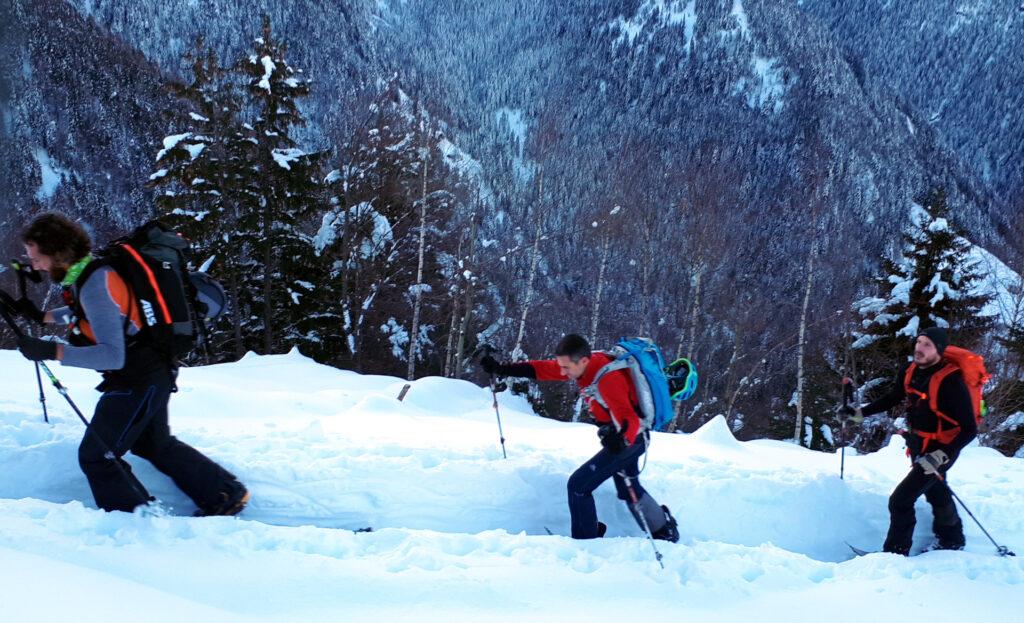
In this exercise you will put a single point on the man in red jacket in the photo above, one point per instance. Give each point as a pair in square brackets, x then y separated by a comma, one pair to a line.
[620, 431]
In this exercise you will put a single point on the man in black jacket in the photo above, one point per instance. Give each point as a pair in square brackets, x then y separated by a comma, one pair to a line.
[933, 441]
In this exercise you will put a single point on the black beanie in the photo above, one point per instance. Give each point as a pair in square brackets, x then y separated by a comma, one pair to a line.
[938, 336]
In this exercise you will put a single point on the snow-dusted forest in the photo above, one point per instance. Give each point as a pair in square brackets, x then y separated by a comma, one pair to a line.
[387, 185]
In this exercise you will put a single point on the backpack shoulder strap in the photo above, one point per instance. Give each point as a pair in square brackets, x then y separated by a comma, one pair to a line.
[907, 389]
[933, 391]
[591, 392]
[140, 263]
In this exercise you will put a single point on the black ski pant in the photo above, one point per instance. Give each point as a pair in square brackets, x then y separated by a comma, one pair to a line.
[135, 418]
[946, 522]
[602, 466]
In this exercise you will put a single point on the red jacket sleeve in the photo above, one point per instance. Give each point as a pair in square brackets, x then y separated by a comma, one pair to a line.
[548, 370]
[615, 390]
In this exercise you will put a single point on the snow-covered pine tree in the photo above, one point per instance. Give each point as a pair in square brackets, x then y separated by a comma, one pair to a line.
[197, 178]
[284, 190]
[930, 282]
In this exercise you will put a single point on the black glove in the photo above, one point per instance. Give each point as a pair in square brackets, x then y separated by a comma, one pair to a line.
[489, 364]
[613, 440]
[35, 349]
[522, 369]
[21, 307]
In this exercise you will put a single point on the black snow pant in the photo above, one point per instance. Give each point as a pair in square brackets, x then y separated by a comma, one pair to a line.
[601, 467]
[946, 524]
[135, 418]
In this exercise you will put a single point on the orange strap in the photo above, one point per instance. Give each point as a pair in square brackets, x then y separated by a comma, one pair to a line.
[152, 282]
[940, 435]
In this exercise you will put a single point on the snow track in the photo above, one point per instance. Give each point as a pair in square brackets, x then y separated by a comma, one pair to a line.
[459, 532]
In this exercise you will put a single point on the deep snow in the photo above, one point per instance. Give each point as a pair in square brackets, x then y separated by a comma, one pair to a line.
[460, 532]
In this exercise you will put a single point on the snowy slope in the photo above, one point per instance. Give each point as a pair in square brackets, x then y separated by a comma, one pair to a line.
[460, 532]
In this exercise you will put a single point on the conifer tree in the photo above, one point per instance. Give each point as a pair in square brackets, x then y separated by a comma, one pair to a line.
[198, 177]
[932, 282]
[283, 188]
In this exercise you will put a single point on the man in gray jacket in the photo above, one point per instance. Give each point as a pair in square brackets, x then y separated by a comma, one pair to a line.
[105, 334]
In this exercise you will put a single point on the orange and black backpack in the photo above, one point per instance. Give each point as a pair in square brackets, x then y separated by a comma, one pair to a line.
[972, 367]
[172, 302]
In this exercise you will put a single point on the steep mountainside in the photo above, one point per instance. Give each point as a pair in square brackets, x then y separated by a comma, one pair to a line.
[642, 101]
[959, 64]
[745, 143]
[83, 113]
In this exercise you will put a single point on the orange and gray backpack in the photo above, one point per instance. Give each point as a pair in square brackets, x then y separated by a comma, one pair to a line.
[972, 367]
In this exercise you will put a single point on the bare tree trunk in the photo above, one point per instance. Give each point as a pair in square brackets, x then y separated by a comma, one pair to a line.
[417, 305]
[802, 343]
[645, 300]
[454, 322]
[595, 315]
[236, 317]
[467, 305]
[517, 351]
[730, 372]
[686, 344]
[694, 314]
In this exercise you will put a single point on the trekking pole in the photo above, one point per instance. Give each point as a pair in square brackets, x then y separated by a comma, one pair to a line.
[484, 350]
[497, 414]
[107, 452]
[42, 394]
[1002, 550]
[24, 274]
[635, 503]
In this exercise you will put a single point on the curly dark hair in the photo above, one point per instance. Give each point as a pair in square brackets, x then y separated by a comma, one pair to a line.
[58, 237]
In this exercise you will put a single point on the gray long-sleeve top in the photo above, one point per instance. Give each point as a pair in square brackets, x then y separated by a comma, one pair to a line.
[107, 318]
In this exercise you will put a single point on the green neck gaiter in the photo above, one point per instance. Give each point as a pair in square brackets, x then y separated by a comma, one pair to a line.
[75, 271]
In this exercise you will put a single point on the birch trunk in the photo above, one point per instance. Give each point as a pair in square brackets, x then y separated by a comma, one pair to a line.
[533, 270]
[595, 315]
[688, 343]
[801, 345]
[467, 304]
[730, 373]
[414, 341]
[454, 322]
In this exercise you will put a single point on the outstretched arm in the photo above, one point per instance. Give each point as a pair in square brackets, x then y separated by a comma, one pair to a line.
[890, 400]
[541, 370]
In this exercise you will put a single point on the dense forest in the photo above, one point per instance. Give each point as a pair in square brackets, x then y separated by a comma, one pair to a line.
[388, 185]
